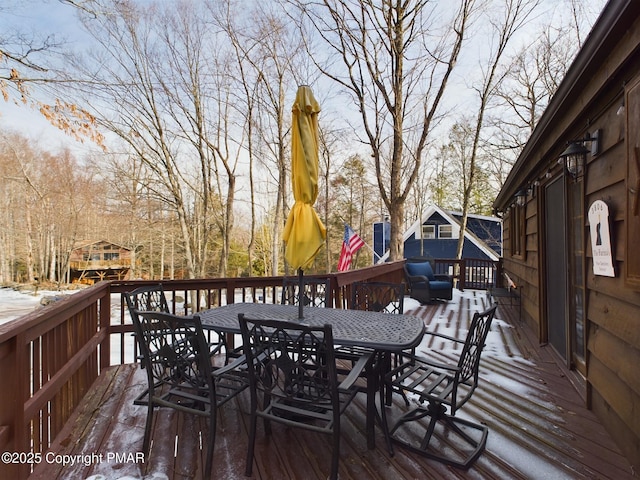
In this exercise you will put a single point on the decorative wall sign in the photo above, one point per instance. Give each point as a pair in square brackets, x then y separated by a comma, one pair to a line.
[600, 239]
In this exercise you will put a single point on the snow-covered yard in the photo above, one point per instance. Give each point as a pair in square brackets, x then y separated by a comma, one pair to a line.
[15, 303]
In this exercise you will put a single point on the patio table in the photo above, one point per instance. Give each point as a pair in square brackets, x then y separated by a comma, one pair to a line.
[384, 332]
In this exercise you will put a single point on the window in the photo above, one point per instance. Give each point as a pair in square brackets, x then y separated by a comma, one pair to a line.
[428, 231]
[517, 231]
[445, 231]
[576, 274]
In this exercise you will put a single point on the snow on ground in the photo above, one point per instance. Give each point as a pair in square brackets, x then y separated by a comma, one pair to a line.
[15, 303]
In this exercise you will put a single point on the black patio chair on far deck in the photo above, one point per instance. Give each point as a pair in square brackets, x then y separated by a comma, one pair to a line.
[373, 297]
[179, 372]
[293, 380]
[378, 297]
[317, 291]
[443, 386]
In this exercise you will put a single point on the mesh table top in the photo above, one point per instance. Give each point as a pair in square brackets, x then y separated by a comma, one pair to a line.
[381, 331]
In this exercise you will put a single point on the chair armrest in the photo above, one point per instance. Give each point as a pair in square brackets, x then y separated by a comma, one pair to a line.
[356, 371]
[444, 278]
[413, 359]
[238, 362]
[418, 278]
[447, 337]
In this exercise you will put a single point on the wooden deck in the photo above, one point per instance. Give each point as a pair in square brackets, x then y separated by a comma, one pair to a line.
[539, 427]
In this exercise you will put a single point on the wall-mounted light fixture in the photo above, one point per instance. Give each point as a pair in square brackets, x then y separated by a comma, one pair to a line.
[575, 155]
[521, 197]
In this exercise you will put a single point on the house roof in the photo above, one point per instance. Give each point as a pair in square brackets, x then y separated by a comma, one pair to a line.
[562, 119]
[452, 220]
[83, 244]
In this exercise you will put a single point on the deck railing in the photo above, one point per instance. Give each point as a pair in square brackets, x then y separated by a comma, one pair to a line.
[50, 358]
[48, 361]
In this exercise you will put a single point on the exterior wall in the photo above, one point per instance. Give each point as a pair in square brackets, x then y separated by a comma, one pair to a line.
[441, 248]
[598, 94]
[523, 269]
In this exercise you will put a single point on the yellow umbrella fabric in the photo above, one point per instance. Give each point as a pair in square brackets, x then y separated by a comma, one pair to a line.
[304, 232]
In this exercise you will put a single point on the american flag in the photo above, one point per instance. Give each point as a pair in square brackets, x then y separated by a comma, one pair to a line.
[350, 245]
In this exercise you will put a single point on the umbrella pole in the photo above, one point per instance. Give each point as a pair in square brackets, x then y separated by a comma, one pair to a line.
[300, 294]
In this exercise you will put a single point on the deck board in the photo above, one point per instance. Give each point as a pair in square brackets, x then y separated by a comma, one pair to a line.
[538, 424]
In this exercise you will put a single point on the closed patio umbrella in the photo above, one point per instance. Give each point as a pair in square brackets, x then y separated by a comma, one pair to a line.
[304, 232]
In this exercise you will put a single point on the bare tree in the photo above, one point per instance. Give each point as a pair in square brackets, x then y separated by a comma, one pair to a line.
[44, 197]
[531, 77]
[395, 59]
[150, 86]
[268, 48]
[249, 82]
[332, 146]
[506, 22]
[352, 192]
[451, 185]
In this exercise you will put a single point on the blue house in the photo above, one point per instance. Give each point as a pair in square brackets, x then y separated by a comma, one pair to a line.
[436, 236]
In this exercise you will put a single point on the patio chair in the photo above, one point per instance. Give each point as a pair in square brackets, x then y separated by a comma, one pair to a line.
[317, 291]
[378, 297]
[373, 297]
[443, 386]
[424, 285]
[153, 299]
[179, 372]
[147, 299]
[293, 380]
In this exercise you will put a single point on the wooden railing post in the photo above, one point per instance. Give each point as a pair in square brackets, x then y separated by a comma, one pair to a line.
[499, 270]
[21, 443]
[12, 431]
[105, 323]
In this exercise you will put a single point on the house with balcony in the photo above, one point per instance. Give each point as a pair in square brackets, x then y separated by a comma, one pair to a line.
[560, 390]
[100, 260]
[434, 237]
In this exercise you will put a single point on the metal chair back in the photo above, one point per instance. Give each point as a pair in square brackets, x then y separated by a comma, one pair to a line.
[440, 386]
[293, 379]
[147, 299]
[469, 363]
[378, 297]
[316, 293]
[179, 372]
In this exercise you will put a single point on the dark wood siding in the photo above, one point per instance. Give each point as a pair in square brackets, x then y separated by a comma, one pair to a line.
[602, 91]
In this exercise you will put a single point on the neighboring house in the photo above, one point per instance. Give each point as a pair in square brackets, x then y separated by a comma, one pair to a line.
[571, 224]
[436, 236]
[99, 260]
